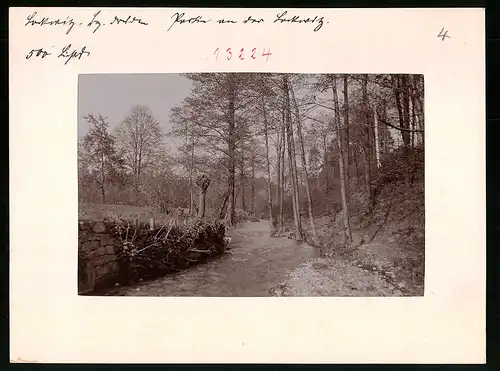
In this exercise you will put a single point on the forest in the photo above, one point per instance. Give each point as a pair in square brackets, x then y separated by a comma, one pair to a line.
[331, 159]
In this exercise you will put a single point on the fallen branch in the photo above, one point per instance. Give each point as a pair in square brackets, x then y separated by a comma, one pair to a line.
[147, 247]
[168, 232]
[202, 251]
[163, 226]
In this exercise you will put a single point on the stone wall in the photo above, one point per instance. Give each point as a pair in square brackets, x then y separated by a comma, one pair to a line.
[97, 256]
[104, 260]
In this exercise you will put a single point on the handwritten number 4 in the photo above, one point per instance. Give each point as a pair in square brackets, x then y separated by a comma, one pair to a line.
[443, 35]
[266, 54]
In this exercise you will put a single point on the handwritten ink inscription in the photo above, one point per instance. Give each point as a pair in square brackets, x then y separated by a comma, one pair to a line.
[128, 20]
[95, 22]
[241, 54]
[32, 20]
[180, 18]
[38, 53]
[67, 53]
[252, 20]
[280, 18]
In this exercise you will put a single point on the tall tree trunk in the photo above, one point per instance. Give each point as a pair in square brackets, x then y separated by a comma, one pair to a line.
[191, 195]
[366, 109]
[291, 176]
[268, 165]
[406, 121]
[242, 181]
[222, 210]
[231, 151]
[136, 189]
[416, 103]
[304, 166]
[237, 192]
[281, 170]
[412, 122]
[397, 96]
[139, 173]
[136, 169]
[406, 110]
[420, 106]
[377, 144]
[252, 185]
[343, 190]
[291, 160]
[103, 187]
[400, 104]
[325, 164]
[191, 183]
[279, 190]
[387, 133]
[346, 127]
[355, 158]
[282, 174]
[295, 171]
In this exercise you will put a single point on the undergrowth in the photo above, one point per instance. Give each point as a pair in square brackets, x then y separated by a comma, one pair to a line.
[147, 254]
[395, 218]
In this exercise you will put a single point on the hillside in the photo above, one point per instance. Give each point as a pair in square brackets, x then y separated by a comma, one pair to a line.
[389, 237]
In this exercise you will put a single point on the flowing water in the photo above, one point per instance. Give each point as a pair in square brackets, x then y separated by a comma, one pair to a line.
[254, 264]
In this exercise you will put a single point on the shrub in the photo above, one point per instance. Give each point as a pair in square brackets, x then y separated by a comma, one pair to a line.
[147, 254]
[396, 163]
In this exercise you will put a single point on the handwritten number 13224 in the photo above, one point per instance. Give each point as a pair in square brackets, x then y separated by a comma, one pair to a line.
[242, 54]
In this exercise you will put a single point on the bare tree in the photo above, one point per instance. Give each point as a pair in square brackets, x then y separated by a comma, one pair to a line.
[346, 126]
[377, 144]
[367, 147]
[280, 147]
[184, 128]
[252, 180]
[416, 98]
[268, 164]
[98, 150]
[304, 166]
[343, 191]
[292, 165]
[139, 137]
[217, 108]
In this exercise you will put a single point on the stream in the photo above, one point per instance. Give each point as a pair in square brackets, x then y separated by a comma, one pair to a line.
[254, 264]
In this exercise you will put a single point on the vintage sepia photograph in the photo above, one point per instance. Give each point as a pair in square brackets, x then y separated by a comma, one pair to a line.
[251, 185]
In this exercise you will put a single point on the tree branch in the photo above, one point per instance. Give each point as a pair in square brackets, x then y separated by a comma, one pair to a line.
[397, 127]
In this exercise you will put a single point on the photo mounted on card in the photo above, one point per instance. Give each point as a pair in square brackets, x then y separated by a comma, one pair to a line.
[254, 184]
[275, 174]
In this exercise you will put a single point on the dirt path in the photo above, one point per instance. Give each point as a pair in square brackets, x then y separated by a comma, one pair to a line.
[260, 265]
